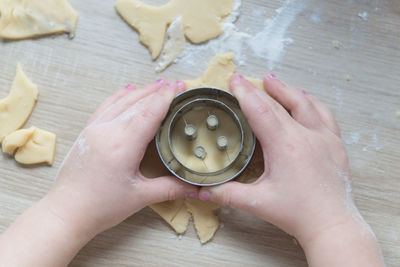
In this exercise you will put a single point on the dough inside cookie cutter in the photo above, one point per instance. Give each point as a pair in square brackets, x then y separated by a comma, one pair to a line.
[205, 138]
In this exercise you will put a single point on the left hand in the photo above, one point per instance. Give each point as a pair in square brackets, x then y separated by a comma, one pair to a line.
[100, 184]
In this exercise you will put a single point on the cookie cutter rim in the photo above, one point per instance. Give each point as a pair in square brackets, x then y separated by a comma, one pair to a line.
[230, 112]
[214, 92]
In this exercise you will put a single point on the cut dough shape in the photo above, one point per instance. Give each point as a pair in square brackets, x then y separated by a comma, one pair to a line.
[22, 19]
[206, 222]
[174, 213]
[16, 108]
[33, 146]
[201, 19]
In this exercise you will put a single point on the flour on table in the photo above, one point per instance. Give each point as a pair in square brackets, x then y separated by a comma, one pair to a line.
[269, 43]
[174, 44]
[363, 15]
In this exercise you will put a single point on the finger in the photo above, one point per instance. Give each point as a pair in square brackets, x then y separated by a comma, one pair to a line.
[166, 188]
[326, 115]
[299, 106]
[181, 87]
[123, 104]
[233, 194]
[259, 110]
[144, 118]
[111, 100]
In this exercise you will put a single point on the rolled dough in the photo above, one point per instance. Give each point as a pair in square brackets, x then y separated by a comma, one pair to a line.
[206, 222]
[20, 19]
[16, 108]
[201, 20]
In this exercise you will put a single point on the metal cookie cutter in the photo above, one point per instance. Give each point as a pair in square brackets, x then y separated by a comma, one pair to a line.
[205, 138]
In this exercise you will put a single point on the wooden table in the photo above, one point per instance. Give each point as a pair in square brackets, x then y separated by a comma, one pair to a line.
[360, 82]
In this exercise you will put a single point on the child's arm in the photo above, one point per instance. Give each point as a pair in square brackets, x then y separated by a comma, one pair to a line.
[99, 184]
[305, 189]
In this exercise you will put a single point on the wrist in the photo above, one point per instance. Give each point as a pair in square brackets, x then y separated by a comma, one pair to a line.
[42, 237]
[348, 243]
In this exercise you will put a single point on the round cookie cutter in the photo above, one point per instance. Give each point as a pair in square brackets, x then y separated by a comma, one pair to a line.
[213, 99]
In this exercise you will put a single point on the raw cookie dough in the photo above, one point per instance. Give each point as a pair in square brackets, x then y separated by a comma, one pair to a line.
[205, 220]
[20, 19]
[16, 108]
[201, 19]
[218, 74]
[33, 146]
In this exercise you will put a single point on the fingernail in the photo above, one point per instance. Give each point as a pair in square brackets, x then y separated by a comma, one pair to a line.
[170, 84]
[205, 196]
[160, 81]
[180, 83]
[129, 86]
[304, 92]
[191, 195]
[271, 76]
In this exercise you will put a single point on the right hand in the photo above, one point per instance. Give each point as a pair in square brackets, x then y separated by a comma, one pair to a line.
[305, 188]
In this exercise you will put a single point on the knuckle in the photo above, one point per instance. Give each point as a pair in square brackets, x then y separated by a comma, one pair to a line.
[225, 198]
[263, 110]
[172, 194]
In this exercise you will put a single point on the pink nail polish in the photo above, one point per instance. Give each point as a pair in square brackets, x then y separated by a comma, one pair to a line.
[179, 83]
[170, 84]
[240, 76]
[205, 196]
[160, 81]
[304, 92]
[271, 76]
[129, 86]
[191, 195]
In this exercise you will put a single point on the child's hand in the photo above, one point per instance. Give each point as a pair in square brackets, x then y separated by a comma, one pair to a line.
[305, 189]
[99, 184]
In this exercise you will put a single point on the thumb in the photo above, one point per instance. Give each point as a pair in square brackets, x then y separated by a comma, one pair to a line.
[234, 194]
[166, 188]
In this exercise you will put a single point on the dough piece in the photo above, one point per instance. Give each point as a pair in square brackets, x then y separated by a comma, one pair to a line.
[205, 220]
[219, 73]
[22, 19]
[174, 45]
[16, 139]
[33, 146]
[16, 108]
[201, 19]
[174, 213]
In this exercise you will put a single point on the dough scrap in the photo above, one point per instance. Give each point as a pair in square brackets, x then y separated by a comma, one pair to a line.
[16, 108]
[173, 212]
[201, 19]
[218, 74]
[22, 19]
[205, 220]
[33, 146]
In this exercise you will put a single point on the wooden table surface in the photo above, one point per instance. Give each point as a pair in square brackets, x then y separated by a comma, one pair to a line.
[74, 76]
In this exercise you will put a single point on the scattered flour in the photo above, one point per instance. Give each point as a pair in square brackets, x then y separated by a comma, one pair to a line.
[352, 138]
[336, 44]
[255, 203]
[268, 44]
[375, 144]
[271, 42]
[338, 97]
[363, 15]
